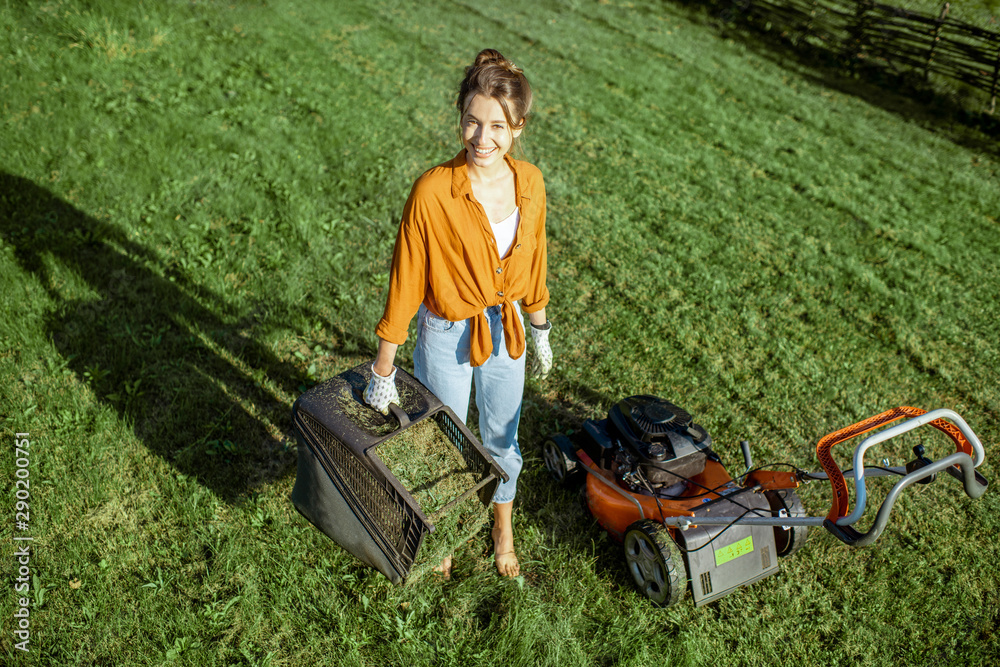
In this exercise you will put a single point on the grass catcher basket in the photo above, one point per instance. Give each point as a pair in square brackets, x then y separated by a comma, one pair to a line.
[382, 486]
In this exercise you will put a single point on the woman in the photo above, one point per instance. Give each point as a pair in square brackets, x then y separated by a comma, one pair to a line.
[471, 245]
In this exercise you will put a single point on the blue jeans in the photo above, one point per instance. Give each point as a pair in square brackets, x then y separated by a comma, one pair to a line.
[441, 362]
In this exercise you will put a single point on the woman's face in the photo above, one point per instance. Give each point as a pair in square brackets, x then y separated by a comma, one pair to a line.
[485, 132]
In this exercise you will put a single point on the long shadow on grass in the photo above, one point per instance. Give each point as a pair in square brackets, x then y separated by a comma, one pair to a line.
[171, 357]
[902, 93]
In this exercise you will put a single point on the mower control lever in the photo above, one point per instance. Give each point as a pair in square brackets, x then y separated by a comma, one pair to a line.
[928, 418]
[745, 446]
[920, 462]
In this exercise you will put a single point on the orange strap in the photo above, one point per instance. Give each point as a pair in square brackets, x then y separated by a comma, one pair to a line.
[840, 500]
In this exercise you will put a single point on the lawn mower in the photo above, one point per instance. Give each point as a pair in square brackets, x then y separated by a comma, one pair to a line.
[654, 483]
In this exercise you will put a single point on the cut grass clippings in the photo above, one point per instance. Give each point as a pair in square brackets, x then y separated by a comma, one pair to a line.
[434, 472]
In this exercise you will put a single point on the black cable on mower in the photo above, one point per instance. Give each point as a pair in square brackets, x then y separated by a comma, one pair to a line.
[804, 474]
[808, 475]
[748, 510]
[645, 482]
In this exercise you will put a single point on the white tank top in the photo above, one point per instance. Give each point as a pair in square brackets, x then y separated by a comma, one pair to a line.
[505, 230]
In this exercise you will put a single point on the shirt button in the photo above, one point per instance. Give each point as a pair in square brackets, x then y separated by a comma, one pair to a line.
[517, 246]
[499, 293]
[499, 270]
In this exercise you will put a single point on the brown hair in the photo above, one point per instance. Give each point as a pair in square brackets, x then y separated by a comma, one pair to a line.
[494, 76]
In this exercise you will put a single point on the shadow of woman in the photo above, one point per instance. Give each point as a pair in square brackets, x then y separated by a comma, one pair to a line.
[177, 363]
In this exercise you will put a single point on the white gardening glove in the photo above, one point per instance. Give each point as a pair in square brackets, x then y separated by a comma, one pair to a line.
[381, 391]
[542, 363]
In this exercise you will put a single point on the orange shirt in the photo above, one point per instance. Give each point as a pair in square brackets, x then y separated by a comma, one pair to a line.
[446, 258]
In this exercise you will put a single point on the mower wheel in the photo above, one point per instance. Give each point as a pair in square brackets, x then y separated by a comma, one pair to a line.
[560, 459]
[787, 540]
[655, 562]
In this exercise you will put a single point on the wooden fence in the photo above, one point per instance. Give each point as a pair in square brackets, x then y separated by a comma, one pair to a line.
[899, 39]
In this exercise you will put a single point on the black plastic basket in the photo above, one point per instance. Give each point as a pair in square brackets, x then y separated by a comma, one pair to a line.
[343, 488]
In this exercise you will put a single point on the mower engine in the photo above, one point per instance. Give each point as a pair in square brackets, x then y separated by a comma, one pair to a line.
[660, 447]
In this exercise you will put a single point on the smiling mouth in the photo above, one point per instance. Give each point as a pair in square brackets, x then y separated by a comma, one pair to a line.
[483, 152]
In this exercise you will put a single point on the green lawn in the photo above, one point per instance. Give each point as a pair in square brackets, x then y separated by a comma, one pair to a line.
[198, 202]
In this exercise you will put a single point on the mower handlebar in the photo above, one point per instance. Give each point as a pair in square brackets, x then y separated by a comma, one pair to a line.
[888, 434]
[961, 464]
[958, 464]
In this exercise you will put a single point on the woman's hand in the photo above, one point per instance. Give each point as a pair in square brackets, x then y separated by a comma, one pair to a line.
[381, 391]
[542, 363]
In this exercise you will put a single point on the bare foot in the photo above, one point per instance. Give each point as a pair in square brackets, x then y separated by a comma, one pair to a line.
[444, 569]
[503, 550]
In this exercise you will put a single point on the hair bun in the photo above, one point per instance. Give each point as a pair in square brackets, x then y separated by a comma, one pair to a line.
[494, 57]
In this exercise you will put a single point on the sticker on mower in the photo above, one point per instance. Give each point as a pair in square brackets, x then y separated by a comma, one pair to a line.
[734, 550]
